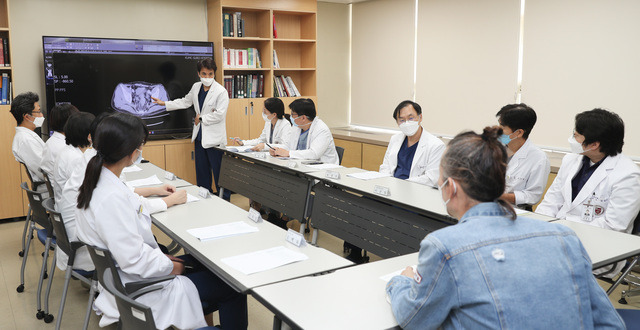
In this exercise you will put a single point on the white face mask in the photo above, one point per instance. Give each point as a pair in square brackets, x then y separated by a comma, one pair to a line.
[409, 128]
[576, 147]
[206, 81]
[139, 159]
[455, 190]
[265, 117]
[38, 121]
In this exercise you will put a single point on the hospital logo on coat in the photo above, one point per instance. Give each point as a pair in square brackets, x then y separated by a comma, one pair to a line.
[599, 210]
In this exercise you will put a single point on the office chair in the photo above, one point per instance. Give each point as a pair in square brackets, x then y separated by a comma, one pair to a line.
[631, 273]
[70, 249]
[39, 216]
[340, 151]
[35, 186]
[133, 315]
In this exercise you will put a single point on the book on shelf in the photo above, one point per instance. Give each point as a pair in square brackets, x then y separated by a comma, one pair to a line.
[5, 88]
[275, 32]
[283, 86]
[5, 47]
[226, 25]
[2, 51]
[232, 25]
[244, 85]
[276, 63]
[241, 58]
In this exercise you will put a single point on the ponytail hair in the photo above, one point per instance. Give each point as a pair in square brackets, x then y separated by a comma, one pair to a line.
[478, 162]
[116, 137]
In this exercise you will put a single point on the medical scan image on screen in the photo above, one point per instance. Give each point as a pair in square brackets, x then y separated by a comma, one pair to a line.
[116, 75]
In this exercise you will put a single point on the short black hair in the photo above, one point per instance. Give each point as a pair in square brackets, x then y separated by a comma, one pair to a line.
[304, 107]
[606, 127]
[518, 116]
[405, 103]
[59, 114]
[96, 122]
[207, 63]
[275, 105]
[23, 104]
[77, 128]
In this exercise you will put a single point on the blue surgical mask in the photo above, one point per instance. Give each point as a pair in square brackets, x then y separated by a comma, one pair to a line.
[293, 121]
[139, 159]
[504, 139]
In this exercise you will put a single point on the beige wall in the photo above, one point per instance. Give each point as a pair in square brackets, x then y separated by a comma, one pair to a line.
[139, 19]
[333, 63]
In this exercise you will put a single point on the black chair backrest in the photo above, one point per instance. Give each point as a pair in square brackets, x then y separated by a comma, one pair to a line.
[133, 315]
[340, 151]
[39, 214]
[34, 184]
[62, 239]
[636, 225]
[47, 181]
[103, 261]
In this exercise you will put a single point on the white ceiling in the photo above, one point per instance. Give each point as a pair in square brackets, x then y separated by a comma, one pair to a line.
[343, 1]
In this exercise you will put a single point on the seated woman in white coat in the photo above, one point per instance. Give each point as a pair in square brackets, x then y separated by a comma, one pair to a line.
[27, 146]
[58, 116]
[110, 216]
[310, 137]
[528, 168]
[277, 128]
[414, 154]
[596, 184]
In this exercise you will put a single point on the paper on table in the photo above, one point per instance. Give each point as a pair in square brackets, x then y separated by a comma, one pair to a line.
[387, 277]
[152, 180]
[368, 175]
[520, 211]
[132, 168]
[221, 231]
[324, 166]
[262, 260]
[239, 148]
[191, 198]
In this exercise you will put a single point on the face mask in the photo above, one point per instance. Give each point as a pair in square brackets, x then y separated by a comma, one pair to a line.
[265, 117]
[576, 147]
[293, 122]
[139, 159]
[38, 121]
[455, 190]
[505, 139]
[206, 81]
[409, 128]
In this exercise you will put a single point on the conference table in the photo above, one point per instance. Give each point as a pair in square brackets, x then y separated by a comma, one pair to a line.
[149, 169]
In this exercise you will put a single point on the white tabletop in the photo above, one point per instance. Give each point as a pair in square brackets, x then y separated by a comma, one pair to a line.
[212, 211]
[281, 162]
[604, 246]
[350, 298]
[149, 169]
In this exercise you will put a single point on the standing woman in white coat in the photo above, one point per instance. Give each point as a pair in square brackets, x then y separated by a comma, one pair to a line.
[528, 168]
[111, 216]
[596, 184]
[310, 137]
[414, 154]
[277, 128]
[210, 101]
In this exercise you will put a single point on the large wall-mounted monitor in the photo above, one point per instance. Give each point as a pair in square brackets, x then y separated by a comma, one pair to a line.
[121, 75]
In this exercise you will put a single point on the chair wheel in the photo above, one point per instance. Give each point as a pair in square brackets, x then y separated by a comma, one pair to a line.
[20, 288]
[40, 315]
[623, 301]
[45, 276]
[48, 318]
[21, 253]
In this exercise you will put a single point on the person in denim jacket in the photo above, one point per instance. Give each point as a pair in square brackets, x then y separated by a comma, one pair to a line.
[492, 270]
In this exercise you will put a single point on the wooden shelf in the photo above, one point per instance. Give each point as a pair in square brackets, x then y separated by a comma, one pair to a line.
[4, 29]
[246, 69]
[294, 69]
[294, 40]
[5, 68]
[245, 39]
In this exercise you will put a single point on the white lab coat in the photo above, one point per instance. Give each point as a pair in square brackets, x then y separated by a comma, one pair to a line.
[67, 206]
[320, 145]
[212, 115]
[116, 220]
[69, 159]
[52, 149]
[527, 174]
[614, 189]
[28, 148]
[281, 134]
[425, 167]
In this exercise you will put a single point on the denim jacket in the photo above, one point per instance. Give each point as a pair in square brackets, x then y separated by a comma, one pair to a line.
[490, 272]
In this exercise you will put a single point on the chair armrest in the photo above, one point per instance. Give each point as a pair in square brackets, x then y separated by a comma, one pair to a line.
[134, 287]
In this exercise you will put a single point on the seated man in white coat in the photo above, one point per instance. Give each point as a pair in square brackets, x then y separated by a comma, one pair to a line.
[58, 116]
[528, 168]
[27, 146]
[414, 154]
[310, 137]
[596, 184]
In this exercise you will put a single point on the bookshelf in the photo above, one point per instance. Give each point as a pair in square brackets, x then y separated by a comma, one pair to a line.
[11, 197]
[295, 45]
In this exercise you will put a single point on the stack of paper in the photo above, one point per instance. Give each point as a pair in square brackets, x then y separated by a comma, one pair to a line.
[240, 148]
[368, 175]
[260, 261]
[221, 231]
[150, 181]
[132, 168]
[324, 166]
[191, 198]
